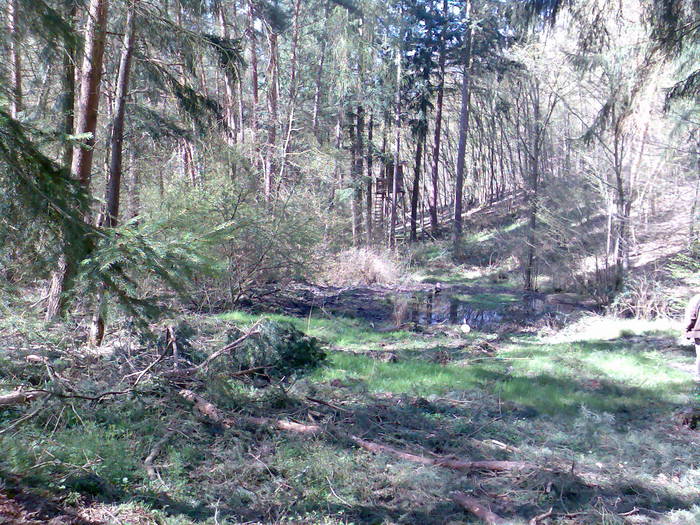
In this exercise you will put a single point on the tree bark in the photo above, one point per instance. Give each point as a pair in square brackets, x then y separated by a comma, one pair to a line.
[81, 158]
[111, 215]
[433, 205]
[15, 58]
[91, 77]
[416, 188]
[533, 190]
[272, 78]
[368, 197]
[397, 151]
[291, 105]
[463, 130]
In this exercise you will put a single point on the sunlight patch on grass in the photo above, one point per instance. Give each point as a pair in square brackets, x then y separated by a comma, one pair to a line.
[602, 328]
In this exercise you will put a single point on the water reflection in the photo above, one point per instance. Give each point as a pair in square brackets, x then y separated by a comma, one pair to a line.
[432, 308]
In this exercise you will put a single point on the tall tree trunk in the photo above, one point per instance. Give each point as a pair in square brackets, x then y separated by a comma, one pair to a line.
[357, 174]
[369, 189]
[433, 205]
[91, 77]
[533, 190]
[113, 189]
[416, 187]
[463, 131]
[81, 165]
[272, 77]
[318, 90]
[254, 124]
[291, 105]
[68, 85]
[15, 58]
[397, 151]
[229, 81]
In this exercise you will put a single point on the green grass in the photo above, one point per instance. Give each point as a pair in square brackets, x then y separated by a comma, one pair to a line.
[598, 399]
[488, 301]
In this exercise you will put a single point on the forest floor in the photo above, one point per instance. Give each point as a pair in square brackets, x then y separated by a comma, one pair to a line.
[589, 404]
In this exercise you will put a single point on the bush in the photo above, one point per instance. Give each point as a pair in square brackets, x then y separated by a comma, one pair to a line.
[279, 348]
[364, 266]
[644, 297]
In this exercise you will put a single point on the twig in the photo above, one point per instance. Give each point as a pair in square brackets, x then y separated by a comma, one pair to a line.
[540, 517]
[326, 403]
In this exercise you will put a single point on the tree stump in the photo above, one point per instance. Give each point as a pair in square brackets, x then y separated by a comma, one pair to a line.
[689, 417]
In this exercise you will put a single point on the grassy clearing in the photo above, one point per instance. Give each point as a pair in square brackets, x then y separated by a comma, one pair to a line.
[593, 404]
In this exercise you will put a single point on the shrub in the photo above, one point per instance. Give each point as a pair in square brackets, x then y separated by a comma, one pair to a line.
[279, 348]
[364, 266]
[644, 297]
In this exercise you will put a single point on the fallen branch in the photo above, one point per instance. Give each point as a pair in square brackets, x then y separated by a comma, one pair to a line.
[326, 403]
[284, 425]
[498, 466]
[540, 517]
[477, 508]
[212, 413]
[148, 462]
[20, 397]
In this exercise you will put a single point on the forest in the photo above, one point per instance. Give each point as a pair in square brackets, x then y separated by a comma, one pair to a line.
[349, 262]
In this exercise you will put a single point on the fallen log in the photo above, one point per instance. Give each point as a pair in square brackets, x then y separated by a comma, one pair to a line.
[20, 397]
[214, 414]
[477, 508]
[454, 464]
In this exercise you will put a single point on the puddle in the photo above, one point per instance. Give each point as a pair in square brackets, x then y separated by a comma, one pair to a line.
[430, 309]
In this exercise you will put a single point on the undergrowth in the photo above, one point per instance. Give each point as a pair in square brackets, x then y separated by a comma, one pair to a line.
[591, 406]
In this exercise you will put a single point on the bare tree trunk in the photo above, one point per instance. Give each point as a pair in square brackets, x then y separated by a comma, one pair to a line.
[15, 58]
[272, 108]
[117, 138]
[533, 190]
[91, 77]
[463, 131]
[397, 152]
[438, 128]
[250, 31]
[229, 111]
[357, 172]
[368, 200]
[416, 187]
[292, 89]
[88, 105]
[111, 214]
[68, 86]
[319, 74]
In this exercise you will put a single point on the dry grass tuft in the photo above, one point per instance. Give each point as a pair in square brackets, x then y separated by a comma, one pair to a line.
[364, 266]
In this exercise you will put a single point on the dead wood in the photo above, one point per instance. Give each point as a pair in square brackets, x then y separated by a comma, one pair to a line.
[454, 464]
[284, 425]
[213, 414]
[148, 462]
[326, 403]
[20, 397]
[689, 417]
[540, 517]
[477, 508]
